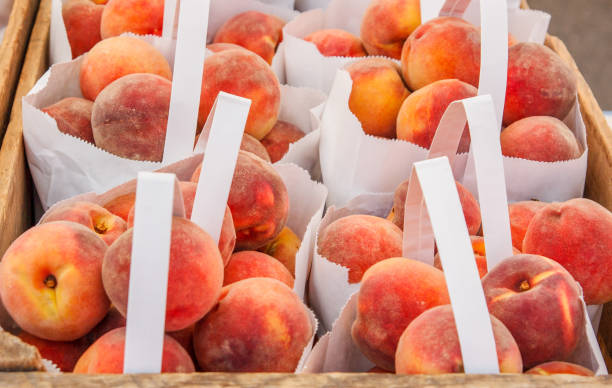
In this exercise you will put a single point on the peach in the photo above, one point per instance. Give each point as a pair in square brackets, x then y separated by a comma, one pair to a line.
[386, 25]
[73, 117]
[121, 205]
[64, 354]
[185, 339]
[336, 43]
[254, 146]
[277, 141]
[359, 241]
[115, 57]
[218, 47]
[258, 325]
[50, 280]
[256, 82]
[471, 209]
[559, 367]
[393, 293]
[142, 17]
[130, 117]
[82, 21]
[258, 200]
[284, 248]
[194, 279]
[256, 31]
[443, 48]
[105, 224]
[421, 112]
[576, 234]
[377, 95]
[253, 264]
[521, 214]
[430, 345]
[106, 355]
[541, 138]
[539, 302]
[539, 84]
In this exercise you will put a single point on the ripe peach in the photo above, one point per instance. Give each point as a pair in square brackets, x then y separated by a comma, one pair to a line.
[471, 210]
[545, 139]
[121, 205]
[277, 141]
[559, 367]
[392, 294]
[82, 20]
[50, 280]
[254, 146]
[377, 95]
[253, 30]
[106, 355]
[521, 214]
[421, 112]
[73, 117]
[258, 325]
[539, 84]
[430, 345]
[142, 17]
[359, 241]
[576, 234]
[337, 43]
[443, 48]
[194, 278]
[218, 47]
[253, 264]
[539, 302]
[115, 57]
[64, 354]
[386, 25]
[284, 248]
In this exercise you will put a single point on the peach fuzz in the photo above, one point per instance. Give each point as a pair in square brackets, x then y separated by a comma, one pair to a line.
[258, 325]
[471, 209]
[377, 94]
[142, 17]
[443, 48]
[194, 279]
[121, 205]
[430, 345]
[256, 82]
[539, 84]
[284, 248]
[387, 23]
[82, 21]
[50, 281]
[559, 367]
[576, 234]
[115, 57]
[421, 112]
[521, 214]
[253, 264]
[541, 138]
[99, 220]
[393, 293]
[258, 200]
[277, 141]
[73, 117]
[254, 146]
[106, 356]
[359, 241]
[539, 302]
[336, 43]
[256, 31]
[130, 116]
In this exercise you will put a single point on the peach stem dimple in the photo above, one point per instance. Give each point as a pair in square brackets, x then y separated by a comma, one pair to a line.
[524, 285]
[50, 281]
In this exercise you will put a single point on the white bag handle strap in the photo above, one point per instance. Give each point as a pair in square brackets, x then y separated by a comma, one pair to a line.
[169, 18]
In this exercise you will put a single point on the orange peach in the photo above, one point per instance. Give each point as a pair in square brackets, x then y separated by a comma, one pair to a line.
[336, 43]
[359, 241]
[73, 117]
[421, 112]
[559, 367]
[284, 248]
[576, 234]
[521, 214]
[50, 280]
[121, 205]
[115, 57]
[277, 141]
[539, 84]
[106, 355]
[430, 345]
[254, 146]
[218, 47]
[142, 17]
[258, 325]
[539, 302]
[386, 25]
[377, 95]
[194, 279]
[256, 31]
[82, 21]
[253, 264]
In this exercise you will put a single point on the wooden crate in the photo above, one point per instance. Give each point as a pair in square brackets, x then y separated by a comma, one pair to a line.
[16, 217]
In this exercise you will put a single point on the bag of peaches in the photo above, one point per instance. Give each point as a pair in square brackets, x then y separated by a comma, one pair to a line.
[416, 313]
